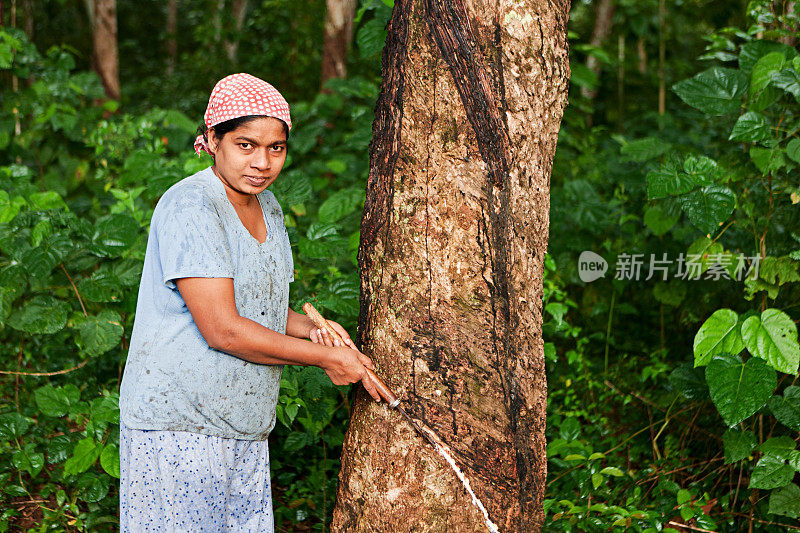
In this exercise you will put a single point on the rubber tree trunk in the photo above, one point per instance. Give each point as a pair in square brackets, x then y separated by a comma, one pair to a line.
[106, 56]
[453, 240]
[338, 36]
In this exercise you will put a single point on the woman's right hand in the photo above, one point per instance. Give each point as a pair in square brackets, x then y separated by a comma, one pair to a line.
[348, 365]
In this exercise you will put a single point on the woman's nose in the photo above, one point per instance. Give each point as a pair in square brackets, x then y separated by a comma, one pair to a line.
[261, 160]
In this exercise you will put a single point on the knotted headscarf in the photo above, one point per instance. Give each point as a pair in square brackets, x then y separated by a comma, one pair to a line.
[242, 95]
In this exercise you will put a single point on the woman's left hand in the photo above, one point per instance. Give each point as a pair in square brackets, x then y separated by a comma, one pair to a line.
[321, 336]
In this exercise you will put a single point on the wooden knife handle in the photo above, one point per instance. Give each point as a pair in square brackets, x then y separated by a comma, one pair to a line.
[383, 389]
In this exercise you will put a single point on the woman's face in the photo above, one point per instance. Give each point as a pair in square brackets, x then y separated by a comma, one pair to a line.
[249, 158]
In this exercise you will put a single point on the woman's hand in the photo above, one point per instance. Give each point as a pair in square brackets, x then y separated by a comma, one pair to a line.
[321, 336]
[348, 365]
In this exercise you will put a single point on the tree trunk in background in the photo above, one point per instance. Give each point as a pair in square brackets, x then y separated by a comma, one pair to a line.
[106, 57]
[172, 36]
[602, 27]
[453, 240]
[28, 6]
[789, 9]
[239, 10]
[662, 56]
[338, 35]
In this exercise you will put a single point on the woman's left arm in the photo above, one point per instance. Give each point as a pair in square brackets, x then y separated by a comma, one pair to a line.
[300, 326]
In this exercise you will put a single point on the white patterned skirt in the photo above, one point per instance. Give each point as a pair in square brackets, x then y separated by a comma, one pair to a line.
[182, 482]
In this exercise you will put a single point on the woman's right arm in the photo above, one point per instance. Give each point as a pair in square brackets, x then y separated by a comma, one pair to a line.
[212, 303]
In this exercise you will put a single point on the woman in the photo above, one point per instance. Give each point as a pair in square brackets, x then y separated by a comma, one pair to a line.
[213, 328]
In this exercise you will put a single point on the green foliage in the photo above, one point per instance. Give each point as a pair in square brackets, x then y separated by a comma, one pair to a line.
[686, 380]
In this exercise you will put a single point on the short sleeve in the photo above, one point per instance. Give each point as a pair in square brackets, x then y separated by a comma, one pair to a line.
[192, 242]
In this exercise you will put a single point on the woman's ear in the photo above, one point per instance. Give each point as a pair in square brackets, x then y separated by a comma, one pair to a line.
[213, 143]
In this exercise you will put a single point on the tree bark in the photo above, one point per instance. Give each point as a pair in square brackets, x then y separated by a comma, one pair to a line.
[453, 240]
[602, 27]
[338, 36]
[106, 56]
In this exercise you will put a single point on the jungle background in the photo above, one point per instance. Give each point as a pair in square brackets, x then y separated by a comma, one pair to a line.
[672, 396]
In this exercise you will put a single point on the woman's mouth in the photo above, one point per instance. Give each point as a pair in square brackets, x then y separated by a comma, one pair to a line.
[256, 181]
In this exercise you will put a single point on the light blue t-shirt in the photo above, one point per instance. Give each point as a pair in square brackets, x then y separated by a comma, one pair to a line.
[173, 380]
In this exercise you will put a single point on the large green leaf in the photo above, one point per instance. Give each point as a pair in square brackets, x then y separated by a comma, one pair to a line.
[371, 37]
[709, 206]
[659, 221]
[292, 188]
[777, 466]
[113, 234]
[109, 460]
[40, 315]
[58, 449]
[83, 457]
[773, 337]
[669, 180]
[93, 487]
[786, 408]
[40, 260]
[785, 501]
[12, 425]
[715, 91]
[739, 389]
[763, 70]
[718, 334]
[793, 150]
[106, 409]
[701, 169]
[706, 251]
[645, 149]
[738, 444]
[340, 204]
[57, 401]
[788, 80]
[751, 127]
[28, 459]
[762, 94]
[689, 381]
[754, 50]
[100, 333]
[767, 159]
[101, 287]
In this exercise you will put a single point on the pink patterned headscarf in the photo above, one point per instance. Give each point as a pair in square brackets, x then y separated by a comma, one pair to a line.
[241, 95]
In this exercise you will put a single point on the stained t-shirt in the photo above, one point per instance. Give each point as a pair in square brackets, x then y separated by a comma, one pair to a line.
[173, 380]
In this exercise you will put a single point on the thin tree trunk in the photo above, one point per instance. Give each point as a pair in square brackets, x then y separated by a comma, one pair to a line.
[602, 27]
[642, 51]
[239, 10]
[453, 240]
[788, 40]
[620, 82]
[338, 36]
[172, 36]
[106, 56]
[662, 56]
[28, 6]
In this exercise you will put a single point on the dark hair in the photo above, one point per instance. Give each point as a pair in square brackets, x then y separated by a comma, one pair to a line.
[229, 125]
